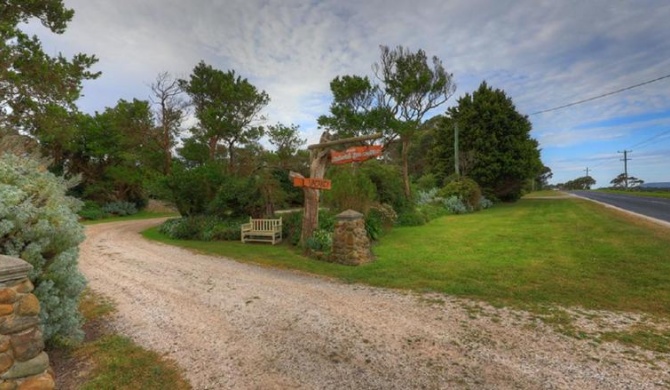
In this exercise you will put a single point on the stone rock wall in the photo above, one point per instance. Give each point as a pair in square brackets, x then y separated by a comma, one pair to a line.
[351, 245]
[23, 363]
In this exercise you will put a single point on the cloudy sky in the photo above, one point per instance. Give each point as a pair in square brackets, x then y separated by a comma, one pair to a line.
[543, 54]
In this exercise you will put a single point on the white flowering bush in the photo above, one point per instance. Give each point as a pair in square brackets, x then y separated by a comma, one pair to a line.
[38, 223]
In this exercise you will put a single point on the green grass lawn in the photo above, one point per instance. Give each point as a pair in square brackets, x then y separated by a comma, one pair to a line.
[645, 193]
[545, 194]
[569, 252]
[140, 215]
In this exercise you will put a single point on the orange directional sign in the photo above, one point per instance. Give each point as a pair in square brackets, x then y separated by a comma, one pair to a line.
[355, 154]
[319, 184]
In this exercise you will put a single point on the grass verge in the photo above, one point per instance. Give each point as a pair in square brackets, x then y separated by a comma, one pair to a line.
[109, 361]
[546, 194]
[637, 192]
[140, 215]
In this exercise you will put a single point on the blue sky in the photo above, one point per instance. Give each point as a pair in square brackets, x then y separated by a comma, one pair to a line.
[543, 54]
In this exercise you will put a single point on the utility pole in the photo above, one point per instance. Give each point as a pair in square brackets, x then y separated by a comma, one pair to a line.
[625, 165]
[456, 165]
[587, 171]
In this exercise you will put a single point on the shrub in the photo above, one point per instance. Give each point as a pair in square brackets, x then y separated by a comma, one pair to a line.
[39, 224]
[119, 208]
[326, 220]
[350, 190]
[411, 218]
[467, 190]
[205, 228]
[223, 230]
[485, 203]
[188, 228]
[432, 210]
[373, 225]
[168, 227]
[455, 205]
[92, 211]
[388, 183]
[192, 190]
[424, 197]
[321, 241]
[292, 227]
[426, 182]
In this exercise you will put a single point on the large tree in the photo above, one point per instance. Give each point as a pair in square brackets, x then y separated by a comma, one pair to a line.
[114, 151]
[409, 86]
[287, 141]
[170, 110]
[228, 108]
[496, 140]
[580, 183]
[37, 90]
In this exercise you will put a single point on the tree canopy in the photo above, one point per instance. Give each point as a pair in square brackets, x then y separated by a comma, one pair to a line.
[496, 149]
[580, 183]
[35, 87]
[228, 109]
[409, 86]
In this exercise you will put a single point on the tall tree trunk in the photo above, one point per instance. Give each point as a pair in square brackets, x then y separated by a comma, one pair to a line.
[317, 170]
[167, 162]
[231, 157]
[212, 143]
[405, 166]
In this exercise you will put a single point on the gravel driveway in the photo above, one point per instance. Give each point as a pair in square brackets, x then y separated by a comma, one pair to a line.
[236, 326]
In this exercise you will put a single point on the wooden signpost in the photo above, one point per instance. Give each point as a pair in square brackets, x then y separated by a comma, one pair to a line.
[355, 154]
[320, 156]
[319, 184]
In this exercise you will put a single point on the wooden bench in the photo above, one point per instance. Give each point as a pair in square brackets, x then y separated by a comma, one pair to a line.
[262, 230]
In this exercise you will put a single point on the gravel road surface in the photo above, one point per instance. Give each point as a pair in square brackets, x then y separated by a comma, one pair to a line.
[236, 326]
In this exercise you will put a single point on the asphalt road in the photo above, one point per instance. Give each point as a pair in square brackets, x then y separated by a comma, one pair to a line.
[658, 208]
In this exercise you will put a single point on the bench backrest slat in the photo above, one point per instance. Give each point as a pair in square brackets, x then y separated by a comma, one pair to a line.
[264, 224]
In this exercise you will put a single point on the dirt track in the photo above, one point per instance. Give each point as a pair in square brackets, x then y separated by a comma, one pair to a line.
[236, 326]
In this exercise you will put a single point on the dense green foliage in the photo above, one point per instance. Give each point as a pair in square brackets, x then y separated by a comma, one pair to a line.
[38, 223]
[466, 189]
[37, 91]
[496, 149]
[409, 87]
[226, 106]
[351, 189]
[580, 183]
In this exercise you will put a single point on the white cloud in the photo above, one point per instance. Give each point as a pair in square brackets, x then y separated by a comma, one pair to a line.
[542, 53]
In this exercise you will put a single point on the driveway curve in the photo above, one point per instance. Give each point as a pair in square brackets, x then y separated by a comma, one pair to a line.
[231, 325]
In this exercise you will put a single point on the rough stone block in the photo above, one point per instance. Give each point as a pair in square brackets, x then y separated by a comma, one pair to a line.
[5, 343]
[40, 382]
[24, 287]
[14, 324]
[28, 306]
[35, 366]
[6, 361]
[7, 295]
[26, 345]
[6, 309]
[8, 385]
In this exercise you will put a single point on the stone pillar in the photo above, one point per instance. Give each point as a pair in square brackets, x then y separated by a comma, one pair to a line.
[351, 245]
[23, 363]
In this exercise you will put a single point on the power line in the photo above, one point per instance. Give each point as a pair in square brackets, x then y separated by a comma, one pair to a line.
[603, 95]
[637, 145]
